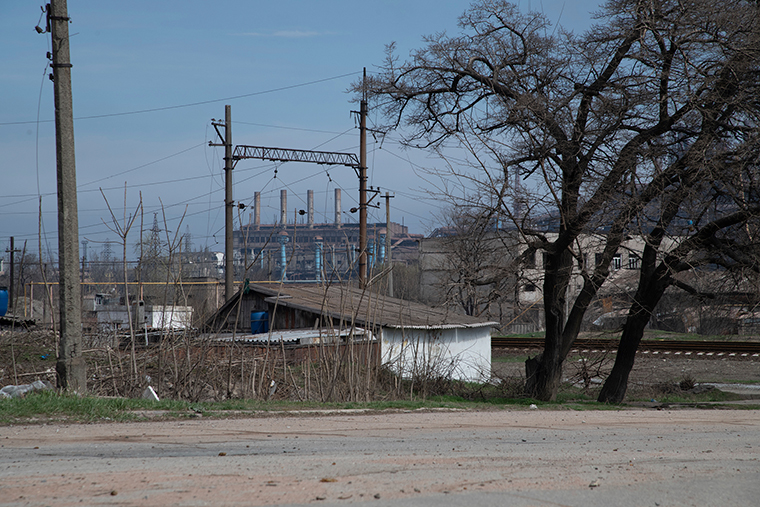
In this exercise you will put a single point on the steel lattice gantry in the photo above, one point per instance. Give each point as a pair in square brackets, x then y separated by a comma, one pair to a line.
[323, 158]
[288, 155]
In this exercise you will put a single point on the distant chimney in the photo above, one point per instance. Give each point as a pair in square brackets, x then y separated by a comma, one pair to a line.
[310, 205]
[337, 207]
[257, 210]
[283, 207]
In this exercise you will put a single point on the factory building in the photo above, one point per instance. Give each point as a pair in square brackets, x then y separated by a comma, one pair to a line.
[312, 251]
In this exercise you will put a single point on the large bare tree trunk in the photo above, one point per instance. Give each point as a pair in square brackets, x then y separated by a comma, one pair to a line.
[616, 385]
[544, 372]
[543, 376]
[649, 294]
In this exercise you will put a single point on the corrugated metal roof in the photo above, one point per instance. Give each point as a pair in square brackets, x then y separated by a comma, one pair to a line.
[364, 307]
[293, 336]
[449, 326]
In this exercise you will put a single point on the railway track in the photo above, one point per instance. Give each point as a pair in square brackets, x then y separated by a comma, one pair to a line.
[700, 347]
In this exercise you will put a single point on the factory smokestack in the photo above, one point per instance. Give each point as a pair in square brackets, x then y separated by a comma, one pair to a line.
[283, 207]
[310, 205]
[257, 210]
[337, 207]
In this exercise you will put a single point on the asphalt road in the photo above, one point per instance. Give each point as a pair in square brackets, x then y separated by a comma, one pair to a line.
[501, 457]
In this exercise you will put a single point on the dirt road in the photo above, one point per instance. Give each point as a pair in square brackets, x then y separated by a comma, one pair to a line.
[501, 457]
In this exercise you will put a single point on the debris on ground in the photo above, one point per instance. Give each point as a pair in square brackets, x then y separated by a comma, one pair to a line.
[21, 390]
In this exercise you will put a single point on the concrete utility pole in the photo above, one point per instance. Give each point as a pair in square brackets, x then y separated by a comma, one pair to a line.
[363, 184]
[228, 204]
[70, 367]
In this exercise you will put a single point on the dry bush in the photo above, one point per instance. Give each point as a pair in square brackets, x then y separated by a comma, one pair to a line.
[182, 364]
[26, 356]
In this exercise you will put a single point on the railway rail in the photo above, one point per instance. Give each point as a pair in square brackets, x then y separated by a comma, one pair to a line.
[706, 347]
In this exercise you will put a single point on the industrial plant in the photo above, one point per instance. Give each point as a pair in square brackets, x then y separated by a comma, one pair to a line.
[304, 250]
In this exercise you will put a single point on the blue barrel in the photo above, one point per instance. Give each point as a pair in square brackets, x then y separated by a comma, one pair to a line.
[259, 322]
[3, 300]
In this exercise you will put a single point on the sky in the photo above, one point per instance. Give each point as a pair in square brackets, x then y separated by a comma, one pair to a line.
[148, 78]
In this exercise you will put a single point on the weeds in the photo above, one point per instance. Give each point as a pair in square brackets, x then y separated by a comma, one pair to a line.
[687, 382]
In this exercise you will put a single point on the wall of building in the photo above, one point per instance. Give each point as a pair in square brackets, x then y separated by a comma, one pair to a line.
[520, 308]
[280, 317]
[453, 268]
[154, 317]
[459, 353]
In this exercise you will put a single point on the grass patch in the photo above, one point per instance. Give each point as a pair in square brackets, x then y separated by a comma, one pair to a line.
[51, 406]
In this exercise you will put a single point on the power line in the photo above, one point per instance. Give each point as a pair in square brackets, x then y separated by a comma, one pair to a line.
[142, 166]
[237, 122]
[191, 104]
[80, 187]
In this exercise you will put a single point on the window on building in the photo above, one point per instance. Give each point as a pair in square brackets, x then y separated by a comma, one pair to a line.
[530, 260]
[617, 262]
[634, 261]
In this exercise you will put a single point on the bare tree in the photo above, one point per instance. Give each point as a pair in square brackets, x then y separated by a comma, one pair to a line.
[721, 235]
[476, 269]
[122, 228]
[601, 129]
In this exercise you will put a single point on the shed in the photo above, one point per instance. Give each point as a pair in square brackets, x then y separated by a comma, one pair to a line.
[414, 338]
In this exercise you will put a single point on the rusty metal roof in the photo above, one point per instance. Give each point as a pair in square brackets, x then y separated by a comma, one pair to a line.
[364, 307]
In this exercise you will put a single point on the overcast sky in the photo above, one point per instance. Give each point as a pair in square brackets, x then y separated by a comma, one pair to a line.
[148, 76]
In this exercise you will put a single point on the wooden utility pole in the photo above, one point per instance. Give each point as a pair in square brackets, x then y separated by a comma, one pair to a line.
[388, 258]
[70, 367]
[363, 184]
[229, 269]
[12, 284]
[84, 259]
